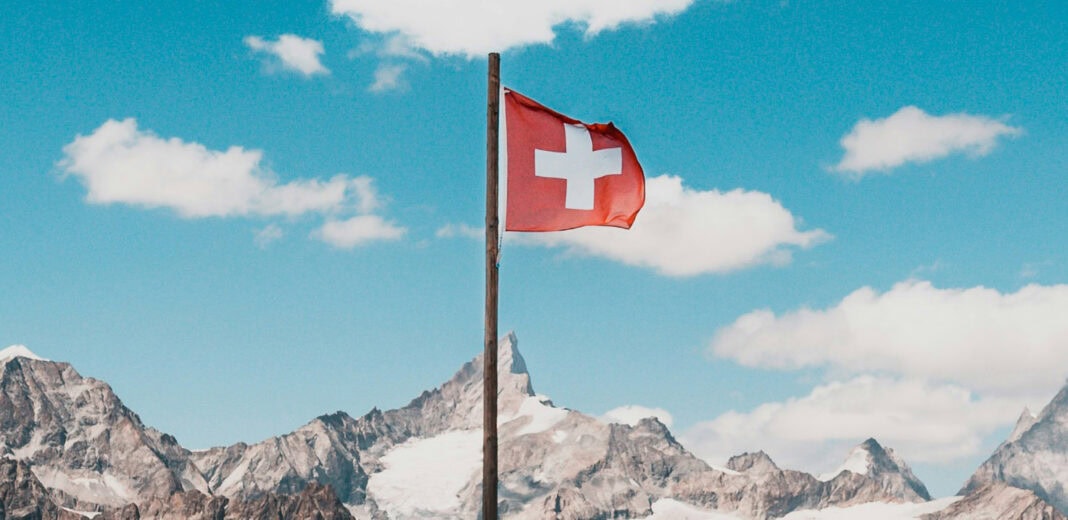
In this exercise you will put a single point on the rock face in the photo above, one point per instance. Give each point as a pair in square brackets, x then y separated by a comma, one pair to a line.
[82, 442]
[325, 450]
[889, 471]
[1034, 458]
[313, 502]
[419, 461]
[998, 501]
[23, 497]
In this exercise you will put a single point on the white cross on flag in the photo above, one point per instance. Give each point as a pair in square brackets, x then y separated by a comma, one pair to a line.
[561, 173]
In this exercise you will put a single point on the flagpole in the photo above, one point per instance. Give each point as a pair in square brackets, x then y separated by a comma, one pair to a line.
[489, 386]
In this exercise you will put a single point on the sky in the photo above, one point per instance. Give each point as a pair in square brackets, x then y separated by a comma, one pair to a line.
[242, 215]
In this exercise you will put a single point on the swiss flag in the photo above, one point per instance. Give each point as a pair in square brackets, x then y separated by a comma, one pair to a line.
[562, 173]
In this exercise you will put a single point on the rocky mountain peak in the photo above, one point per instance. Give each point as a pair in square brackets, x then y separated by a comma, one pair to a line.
[755, 463]
[513, 381]
[81, 441]
[508, 356]
[883, 466]
[880, 459]
[1026, 420]
[1034, 457]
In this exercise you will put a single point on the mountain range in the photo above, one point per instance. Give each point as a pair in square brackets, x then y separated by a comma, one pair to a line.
[69, 448]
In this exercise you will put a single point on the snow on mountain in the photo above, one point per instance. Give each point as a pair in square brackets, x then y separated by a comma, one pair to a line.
[422, 478]
[857, 462]
[422, 461]
[671, 509]
[1034, 457]
[876, 511]
[18, 351]
[539, 414]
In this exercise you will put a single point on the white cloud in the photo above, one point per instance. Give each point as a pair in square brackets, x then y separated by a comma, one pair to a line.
[632, 414]
[366, 195]
[473, 27]
[922, 422]
[460, 230]
[269, 234]
[357, 231]
[992, 342]
[912, 135]
[388, 77]
[293, 52]
[685, 232]
[118, 163]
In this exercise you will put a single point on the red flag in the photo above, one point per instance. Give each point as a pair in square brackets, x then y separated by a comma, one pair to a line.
[562, 173]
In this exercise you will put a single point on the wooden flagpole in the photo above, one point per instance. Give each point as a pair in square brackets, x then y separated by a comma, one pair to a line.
[489, 367]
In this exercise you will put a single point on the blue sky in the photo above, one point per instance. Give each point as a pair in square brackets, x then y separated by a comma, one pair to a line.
[892, 265]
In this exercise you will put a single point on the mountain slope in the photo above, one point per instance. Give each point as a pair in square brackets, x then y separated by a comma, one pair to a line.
[1034, 458]
[81, 441]
[998, 501]
[882, 465]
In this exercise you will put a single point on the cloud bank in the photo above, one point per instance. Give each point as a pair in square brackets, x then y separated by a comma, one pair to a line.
[473, 28]
[921, 421]
[912, 135]
[686, 232]
[917, 330]
[929, 372]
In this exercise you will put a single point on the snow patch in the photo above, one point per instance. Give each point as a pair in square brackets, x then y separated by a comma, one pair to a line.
[360, 512]
[106, 489]
[671, 509]
[15, 351]
[857, 462]
[542, 416]
[88, 514]
[423, 477]
[874, 511]
[232, 484]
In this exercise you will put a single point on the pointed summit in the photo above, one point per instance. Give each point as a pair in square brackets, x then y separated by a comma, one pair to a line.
[508, 355]
[15, 351]
[1034, 457]
[882, 465]
[512, 375]
[1025, 422]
